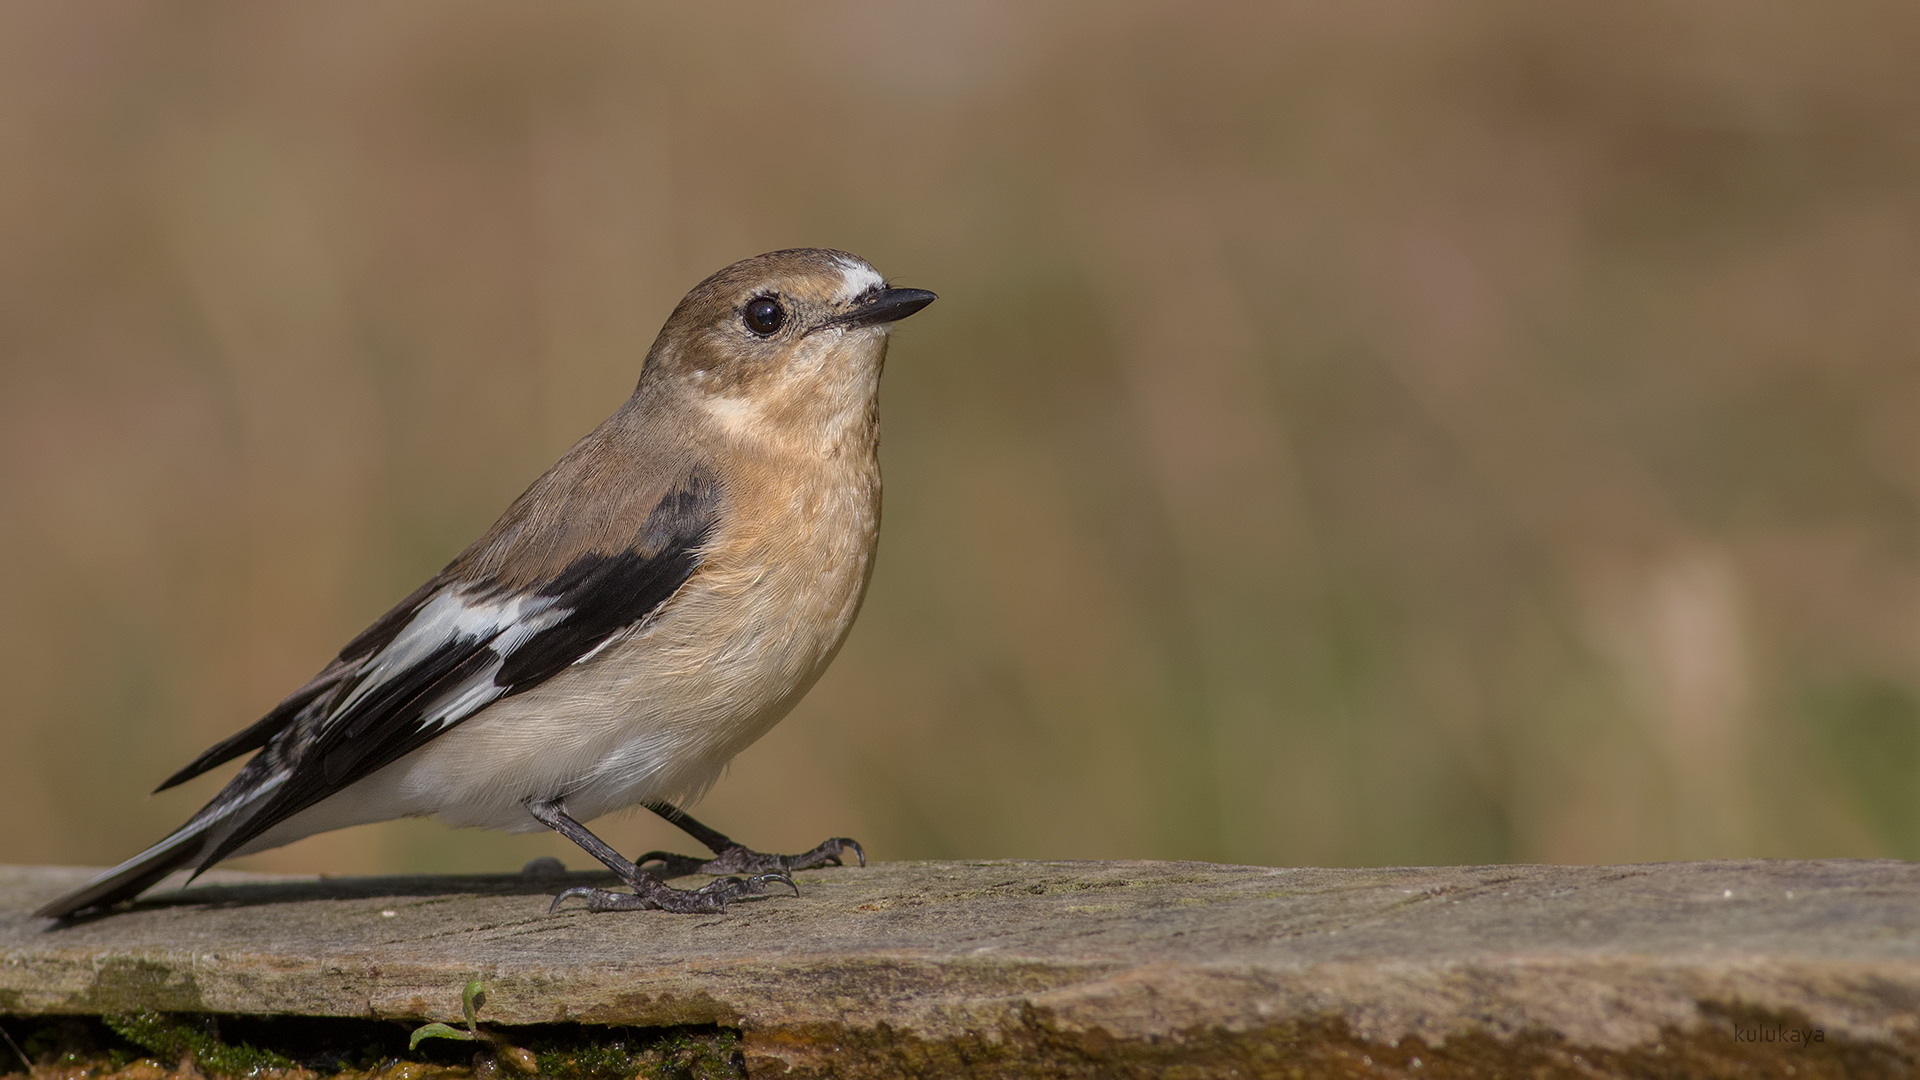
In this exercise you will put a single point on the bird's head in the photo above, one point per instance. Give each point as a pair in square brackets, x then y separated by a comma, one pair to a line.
[787, 338]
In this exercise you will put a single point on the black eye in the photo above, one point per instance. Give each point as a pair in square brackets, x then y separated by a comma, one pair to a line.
[765, 315]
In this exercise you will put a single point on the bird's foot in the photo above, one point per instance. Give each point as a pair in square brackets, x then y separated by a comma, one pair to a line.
[651, 894]
[740, 859]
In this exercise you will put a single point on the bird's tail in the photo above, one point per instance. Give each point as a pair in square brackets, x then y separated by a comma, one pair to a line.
[187, 844]
[193, 842]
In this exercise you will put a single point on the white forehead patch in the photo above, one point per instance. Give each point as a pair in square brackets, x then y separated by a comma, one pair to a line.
[856, 277]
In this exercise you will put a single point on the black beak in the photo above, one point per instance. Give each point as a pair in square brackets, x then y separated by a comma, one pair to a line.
[885, 306]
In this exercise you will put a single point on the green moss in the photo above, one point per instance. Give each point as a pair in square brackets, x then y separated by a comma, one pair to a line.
[708, 1056]
[611, 1060]
[678, 1054]
[302, 1048]
[172, 1038]
[129, 983]
[1034, 1046]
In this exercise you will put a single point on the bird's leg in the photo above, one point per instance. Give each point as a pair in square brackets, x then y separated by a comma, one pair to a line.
[648, 890]
[732, 857]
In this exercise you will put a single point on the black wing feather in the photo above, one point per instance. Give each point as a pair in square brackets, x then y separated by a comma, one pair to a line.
[288, 712]
[600, 595]
[607, 593]
[255, 736]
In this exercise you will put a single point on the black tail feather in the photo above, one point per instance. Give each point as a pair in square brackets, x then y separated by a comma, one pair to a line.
[130, 878]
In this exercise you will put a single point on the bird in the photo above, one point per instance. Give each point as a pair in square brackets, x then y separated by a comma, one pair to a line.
[645, 610]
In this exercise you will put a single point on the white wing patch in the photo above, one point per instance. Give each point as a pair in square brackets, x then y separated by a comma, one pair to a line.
[467, 698]
[458, 616]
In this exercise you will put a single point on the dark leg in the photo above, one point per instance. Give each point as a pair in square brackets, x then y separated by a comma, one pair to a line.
[732, 857]
[648, 891]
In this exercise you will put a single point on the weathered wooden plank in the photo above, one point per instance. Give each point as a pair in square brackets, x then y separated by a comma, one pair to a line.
[1620, 958]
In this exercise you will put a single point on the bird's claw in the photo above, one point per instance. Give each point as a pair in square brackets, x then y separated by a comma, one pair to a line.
[602, 900]
[758, 882]
[832, 849]
[670, 865]
[739, 859]
[733, 888]
[710, 899]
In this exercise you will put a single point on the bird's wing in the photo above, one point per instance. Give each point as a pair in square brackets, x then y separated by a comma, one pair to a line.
[455, 647]
[315, 698]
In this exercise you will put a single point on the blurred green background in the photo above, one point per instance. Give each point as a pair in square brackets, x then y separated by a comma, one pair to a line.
[1350, 433]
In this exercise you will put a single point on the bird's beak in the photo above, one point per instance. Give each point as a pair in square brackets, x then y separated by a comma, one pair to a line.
[886, 306]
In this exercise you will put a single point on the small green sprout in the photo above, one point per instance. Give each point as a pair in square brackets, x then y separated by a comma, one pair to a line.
[474, 996]
[493, 1047]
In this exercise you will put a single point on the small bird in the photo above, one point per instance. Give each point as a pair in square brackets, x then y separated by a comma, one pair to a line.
[649, 607]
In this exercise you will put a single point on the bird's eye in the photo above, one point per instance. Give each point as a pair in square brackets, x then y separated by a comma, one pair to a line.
[764, 315]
